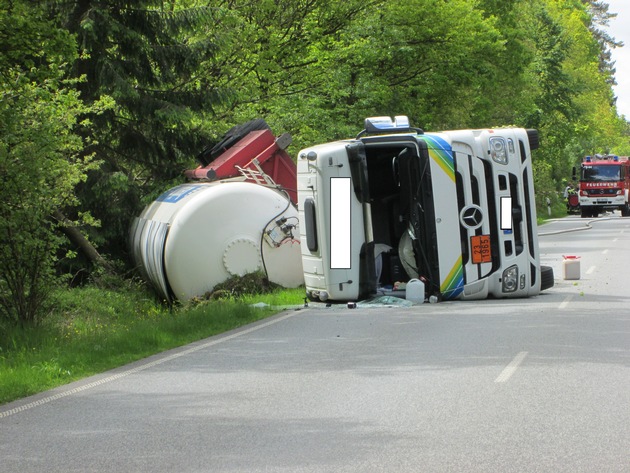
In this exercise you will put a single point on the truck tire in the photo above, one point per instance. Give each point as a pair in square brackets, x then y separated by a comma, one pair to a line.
[534, 141]
[231, 137]
[546, 277]
[625, 211]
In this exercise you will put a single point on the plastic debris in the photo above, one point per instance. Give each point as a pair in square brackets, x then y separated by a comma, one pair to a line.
[385, 301]
[260, 305]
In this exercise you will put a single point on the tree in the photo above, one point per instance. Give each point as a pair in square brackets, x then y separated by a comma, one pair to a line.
[330, 64]
[146, 56]
[600, 17]
[576, 104]
[38, 156]
[279, 58]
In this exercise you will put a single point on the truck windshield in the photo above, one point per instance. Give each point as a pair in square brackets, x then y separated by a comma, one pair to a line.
[601, 173]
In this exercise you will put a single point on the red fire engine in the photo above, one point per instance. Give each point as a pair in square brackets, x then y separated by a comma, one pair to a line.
[604, 185]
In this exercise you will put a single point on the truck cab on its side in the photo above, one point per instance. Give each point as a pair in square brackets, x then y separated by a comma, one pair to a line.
[455, 209]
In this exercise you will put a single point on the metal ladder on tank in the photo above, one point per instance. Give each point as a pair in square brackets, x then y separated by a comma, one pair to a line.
[256, 174]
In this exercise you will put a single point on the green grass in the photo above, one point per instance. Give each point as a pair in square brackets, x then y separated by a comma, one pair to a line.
[559, 210]
[94, 330]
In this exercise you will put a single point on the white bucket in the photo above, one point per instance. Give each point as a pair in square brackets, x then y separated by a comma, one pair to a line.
[415, 291]
[571, 267]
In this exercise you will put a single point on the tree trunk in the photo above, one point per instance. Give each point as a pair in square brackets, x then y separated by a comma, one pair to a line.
[76, 237]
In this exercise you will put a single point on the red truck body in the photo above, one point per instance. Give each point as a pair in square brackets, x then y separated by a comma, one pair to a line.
[258, 157]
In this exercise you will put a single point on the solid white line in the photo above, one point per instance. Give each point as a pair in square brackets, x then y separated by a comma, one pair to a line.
[565, 302]
[214, 341]
[509, 370]
[590, 270]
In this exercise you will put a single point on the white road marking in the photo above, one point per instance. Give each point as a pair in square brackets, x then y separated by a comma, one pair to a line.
[142, 367]
[590, 270]
[615, 239]
[565, 302]
[510, 369]
[605, 251]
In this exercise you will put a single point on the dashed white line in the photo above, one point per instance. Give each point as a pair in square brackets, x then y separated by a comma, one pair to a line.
[605, 251]
[510, 369]
[565, 302]
[591, 270]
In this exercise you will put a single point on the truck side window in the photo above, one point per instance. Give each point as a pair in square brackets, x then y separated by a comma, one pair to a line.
[310, 224]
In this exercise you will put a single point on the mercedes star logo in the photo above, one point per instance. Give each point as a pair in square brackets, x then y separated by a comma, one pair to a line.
[472, 216]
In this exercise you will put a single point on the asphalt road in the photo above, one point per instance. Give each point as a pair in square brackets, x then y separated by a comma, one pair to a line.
[536, 385]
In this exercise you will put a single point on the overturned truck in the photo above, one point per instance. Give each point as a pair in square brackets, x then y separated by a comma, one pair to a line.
[455, 210]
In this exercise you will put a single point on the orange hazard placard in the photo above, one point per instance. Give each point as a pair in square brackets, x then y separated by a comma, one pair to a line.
[480, 246]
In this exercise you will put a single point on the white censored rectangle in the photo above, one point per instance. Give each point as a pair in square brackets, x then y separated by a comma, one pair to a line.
[506, 213]
[340, 228]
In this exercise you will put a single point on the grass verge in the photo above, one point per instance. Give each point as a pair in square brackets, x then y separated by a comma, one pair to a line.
[94, 330]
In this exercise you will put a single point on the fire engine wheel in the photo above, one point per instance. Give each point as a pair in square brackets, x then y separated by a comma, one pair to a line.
[625, 211]
[546, 277]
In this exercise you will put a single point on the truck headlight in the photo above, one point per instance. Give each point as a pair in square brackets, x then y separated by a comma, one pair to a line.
[510, 279]
[498, 150]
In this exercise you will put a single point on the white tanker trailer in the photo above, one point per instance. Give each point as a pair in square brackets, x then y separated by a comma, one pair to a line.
[201, 233]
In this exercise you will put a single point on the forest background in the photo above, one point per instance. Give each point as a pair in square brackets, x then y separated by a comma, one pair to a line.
[104, 103]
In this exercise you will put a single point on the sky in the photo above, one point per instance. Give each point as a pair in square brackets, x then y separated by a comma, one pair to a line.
[619, 29]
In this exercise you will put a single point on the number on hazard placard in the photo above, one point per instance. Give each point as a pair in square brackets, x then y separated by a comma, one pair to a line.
[480, 247]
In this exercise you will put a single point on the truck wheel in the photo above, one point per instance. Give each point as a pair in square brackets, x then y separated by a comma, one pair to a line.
[585, 213]
[546, 277]
[534, 142]
[625, 211]
[233, 136]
